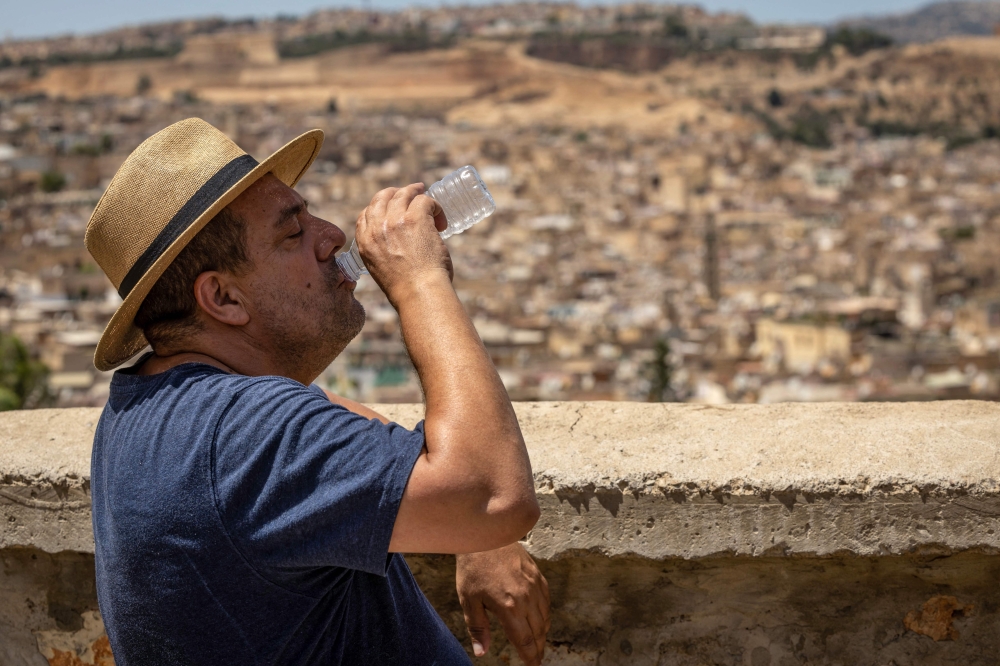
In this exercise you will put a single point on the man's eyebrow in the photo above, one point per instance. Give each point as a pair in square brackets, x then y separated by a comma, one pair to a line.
[289, 212]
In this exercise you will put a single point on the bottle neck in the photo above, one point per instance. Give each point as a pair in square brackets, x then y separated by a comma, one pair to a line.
[350, 263]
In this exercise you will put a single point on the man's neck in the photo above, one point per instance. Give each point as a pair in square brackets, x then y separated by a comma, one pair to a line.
[235, 357]
[156, 364]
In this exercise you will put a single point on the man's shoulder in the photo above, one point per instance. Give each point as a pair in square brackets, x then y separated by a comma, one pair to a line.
[271, 395]
[266, 401]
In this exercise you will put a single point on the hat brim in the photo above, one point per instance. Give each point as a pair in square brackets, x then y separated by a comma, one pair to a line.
[122, 339]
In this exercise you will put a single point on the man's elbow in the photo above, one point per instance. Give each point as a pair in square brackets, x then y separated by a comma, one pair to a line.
[529, 514]
[517, 517]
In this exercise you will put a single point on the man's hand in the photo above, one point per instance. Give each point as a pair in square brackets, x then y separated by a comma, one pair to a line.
[397, 236]
[507, 582]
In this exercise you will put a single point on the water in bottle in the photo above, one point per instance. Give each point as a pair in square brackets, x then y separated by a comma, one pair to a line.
[465, 200]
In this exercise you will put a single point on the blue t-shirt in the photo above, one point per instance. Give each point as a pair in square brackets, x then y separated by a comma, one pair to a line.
[246, 520]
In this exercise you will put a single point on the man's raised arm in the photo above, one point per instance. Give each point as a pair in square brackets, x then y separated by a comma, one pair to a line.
[471, 489]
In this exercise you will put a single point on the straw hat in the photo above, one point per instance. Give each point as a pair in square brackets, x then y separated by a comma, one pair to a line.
[165, 192]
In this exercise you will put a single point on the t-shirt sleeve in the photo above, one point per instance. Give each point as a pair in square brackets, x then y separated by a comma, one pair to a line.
[302, 482]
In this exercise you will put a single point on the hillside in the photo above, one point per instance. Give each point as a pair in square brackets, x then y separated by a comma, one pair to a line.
[936, 21]
[947, 89]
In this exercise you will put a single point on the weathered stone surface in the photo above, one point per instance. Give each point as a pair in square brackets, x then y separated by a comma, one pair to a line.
[724, 611]
[661, 480]
[749, 611]
[670, 534]
[651, 480]
[45, 479]
[47, 446]
[46, 600]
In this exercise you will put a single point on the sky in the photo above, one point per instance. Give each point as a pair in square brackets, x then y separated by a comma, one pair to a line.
[20, 19]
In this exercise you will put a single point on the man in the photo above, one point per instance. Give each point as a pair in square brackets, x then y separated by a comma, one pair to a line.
[241, 515]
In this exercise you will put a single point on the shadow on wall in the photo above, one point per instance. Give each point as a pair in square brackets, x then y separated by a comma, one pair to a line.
[736, 611]
[726, 611]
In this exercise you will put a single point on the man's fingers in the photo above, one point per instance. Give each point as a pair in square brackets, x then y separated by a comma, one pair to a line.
[511, 586]
[521, 636]
[543, 584]
[440, 221]
[422, 205]
[479, 626]
[401, 200]
[537, 621]
[543, 605]
[377, 206]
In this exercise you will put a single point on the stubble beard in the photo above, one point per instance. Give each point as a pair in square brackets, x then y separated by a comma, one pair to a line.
[339, 318]
[343, 324]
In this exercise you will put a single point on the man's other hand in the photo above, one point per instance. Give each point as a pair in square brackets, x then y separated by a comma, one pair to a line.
[508, 583]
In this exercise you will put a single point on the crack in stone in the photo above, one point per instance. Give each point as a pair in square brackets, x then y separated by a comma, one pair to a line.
[579, 417]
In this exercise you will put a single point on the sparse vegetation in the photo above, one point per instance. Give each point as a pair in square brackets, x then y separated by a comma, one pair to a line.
[23, 379]
[185, 97]
[121, 53]
[418, 39]
[857, 41]
[807, 126]
[660, 374]
[621, 50]
[812, 128]
[960, 233]
[52, 181]
[673, 26]
[103, 146]
[87, 149]
[955, 136]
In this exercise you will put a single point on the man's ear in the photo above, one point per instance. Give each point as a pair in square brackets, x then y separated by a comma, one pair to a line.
[221, 299]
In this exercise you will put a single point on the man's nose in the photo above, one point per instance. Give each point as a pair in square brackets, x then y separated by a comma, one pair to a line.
[329, 239]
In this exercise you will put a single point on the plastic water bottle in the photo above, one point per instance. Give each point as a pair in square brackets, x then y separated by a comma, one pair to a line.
[465, 200]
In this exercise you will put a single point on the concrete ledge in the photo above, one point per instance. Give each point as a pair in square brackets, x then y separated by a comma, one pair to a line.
[45, 479]
[653, 480]
[671, 534]
[690, 481]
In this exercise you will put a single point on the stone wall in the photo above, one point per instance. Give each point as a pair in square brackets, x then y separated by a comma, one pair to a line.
[670, 534]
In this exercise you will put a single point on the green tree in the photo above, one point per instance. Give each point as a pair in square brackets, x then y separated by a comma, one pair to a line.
[53, 181]
[812, 128]
[660, 373]
[674, 26]
[23, 379]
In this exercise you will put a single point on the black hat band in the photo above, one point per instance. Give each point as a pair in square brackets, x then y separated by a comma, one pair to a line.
[201, 201]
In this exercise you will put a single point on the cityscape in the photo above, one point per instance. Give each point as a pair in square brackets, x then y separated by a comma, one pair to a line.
[690, 207]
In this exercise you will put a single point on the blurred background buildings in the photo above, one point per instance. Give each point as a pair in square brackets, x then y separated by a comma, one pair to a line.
[691, 206]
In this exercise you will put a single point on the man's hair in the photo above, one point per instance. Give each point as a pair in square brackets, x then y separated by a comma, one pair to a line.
[167, 315]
